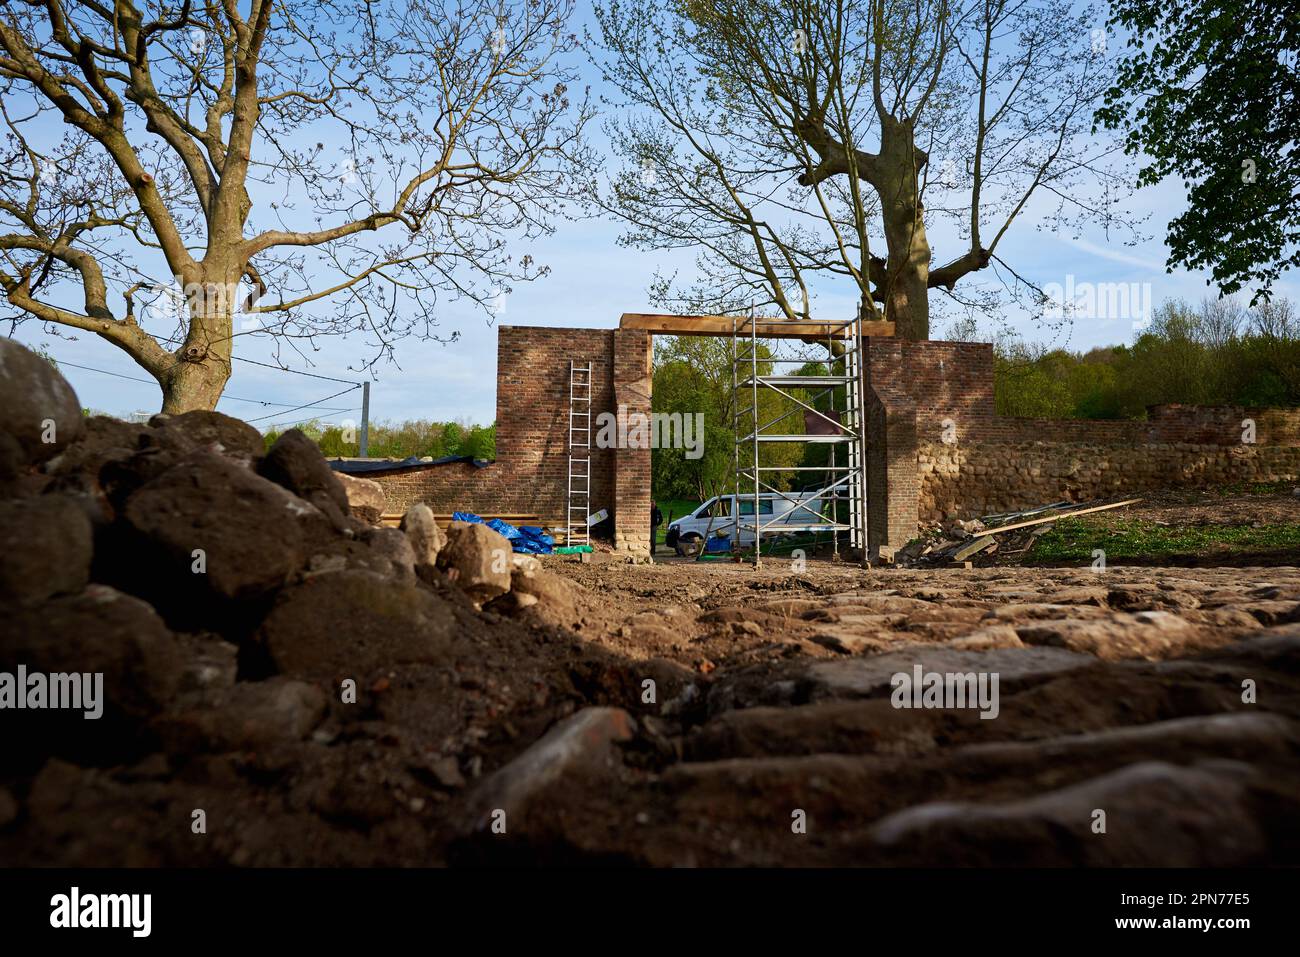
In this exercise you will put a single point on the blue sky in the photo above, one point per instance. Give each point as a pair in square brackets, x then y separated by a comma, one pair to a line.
[593, 281]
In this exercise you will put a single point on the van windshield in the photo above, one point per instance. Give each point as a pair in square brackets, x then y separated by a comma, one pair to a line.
[714, 508]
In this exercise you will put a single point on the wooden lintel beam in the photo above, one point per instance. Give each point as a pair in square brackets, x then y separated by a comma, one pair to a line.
[669, 325]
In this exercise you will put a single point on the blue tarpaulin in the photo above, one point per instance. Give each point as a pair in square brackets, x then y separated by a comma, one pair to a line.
[529, 539]
[362, 466]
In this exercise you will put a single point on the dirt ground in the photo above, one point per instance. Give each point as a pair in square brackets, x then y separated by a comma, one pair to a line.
[1121, 692]
[767, 737]
[285, 683]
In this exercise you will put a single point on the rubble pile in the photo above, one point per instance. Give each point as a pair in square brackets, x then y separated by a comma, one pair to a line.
[265, 650]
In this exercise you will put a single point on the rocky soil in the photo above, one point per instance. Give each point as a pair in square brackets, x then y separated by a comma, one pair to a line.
[328, 692]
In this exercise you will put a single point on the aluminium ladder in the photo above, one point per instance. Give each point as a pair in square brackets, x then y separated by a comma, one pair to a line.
[577, 530]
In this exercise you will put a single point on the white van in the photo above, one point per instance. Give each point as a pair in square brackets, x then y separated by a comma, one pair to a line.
[716, 518]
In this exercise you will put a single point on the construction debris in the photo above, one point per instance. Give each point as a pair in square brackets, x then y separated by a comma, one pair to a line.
[476, 559]
[964, 539]
[365, 497]
[426, 537]
[974, 547]
[1070, 514]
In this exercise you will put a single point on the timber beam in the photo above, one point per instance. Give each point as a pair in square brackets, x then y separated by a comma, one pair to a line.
[670, 325]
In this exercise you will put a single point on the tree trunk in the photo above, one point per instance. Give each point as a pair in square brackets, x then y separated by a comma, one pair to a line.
[905, 293]
[202, 366]
[194, 385]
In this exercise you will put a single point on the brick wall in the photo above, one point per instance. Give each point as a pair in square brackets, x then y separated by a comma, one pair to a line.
[530, 475]
[891, 445]
[632, 392]
[533, 415]
[1084, 431]
[1164, 425]
[949, 383]
[457, 486]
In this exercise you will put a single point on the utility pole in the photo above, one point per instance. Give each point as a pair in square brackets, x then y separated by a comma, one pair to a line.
[365, 420]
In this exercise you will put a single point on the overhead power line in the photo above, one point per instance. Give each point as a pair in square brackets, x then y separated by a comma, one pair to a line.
[316, 405]
[294, 422]
[309, 405]
[313, 375]
[118, 375]
[233, 398]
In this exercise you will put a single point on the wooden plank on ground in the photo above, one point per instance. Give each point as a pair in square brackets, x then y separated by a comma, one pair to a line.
[973, 547]
[1061, 515]
[394, 518]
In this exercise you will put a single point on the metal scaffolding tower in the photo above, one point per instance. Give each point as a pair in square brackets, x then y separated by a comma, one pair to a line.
[844, 489]
[577, 530]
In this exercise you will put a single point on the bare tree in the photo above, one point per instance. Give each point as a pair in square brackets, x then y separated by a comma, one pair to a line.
[1219, 321]
[284, 168]
[782, 138]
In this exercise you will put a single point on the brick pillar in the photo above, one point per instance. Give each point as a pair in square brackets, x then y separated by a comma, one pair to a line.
[632, 394]
[893, 484]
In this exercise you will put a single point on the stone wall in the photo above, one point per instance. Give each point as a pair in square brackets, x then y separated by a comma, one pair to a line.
[938, 449]
[981, 478]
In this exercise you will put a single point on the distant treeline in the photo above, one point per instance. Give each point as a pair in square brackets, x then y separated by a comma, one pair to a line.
[1214, 353]
[419, 437]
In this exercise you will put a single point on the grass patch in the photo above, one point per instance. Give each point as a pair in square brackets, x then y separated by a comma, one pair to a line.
[1074, 539]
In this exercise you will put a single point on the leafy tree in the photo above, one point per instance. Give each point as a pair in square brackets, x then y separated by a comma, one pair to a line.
[1209, 93]
[693, 374]
[418, 438]
[481, 442]
[1211, 353]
